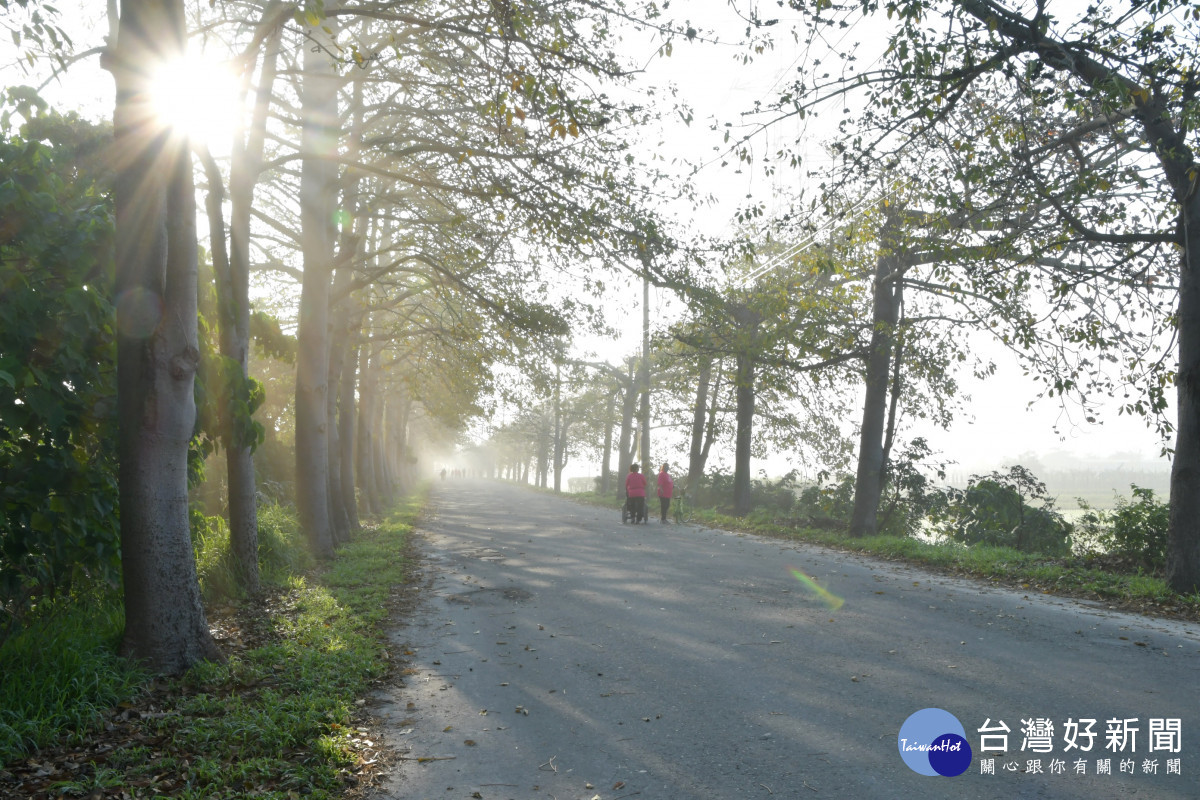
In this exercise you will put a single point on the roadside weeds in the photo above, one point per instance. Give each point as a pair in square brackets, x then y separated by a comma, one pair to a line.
[284, 717]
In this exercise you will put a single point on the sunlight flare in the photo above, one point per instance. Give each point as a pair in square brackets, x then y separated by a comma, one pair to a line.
[198, 95]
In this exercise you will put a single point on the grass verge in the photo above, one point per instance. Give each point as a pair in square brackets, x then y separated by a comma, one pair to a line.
[281, 718]
[1092, 578]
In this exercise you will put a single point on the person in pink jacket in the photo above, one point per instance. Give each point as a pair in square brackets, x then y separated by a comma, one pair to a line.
[635, 493]
[666, 487]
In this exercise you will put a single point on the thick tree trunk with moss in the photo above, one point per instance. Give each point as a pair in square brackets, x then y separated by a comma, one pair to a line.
[157, 350]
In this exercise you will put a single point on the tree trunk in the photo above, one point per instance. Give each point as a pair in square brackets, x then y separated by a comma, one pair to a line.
[319, 137]
[560, 433]
[610, 409]
[747, 323]
[1183, 541]
[339, 517]
[364, 454]
[745, 435]
[235, 432]
[348, 422]
[346, 322]
[245, 165]
[157, 351]
[624, 451]
[710, 428]
[543, 451]
[378, 443]
[868, 486]
[699, 412]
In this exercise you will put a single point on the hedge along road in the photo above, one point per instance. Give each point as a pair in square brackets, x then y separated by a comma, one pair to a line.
[560, 654]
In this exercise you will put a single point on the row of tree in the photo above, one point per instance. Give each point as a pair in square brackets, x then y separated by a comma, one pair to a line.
[402, 186]
[408, 189]
[1024, 176]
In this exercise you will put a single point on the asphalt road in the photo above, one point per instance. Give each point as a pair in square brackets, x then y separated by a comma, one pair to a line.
[560, 654]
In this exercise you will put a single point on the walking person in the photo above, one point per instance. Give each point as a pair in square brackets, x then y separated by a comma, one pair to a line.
[666, 487]
[635, 493]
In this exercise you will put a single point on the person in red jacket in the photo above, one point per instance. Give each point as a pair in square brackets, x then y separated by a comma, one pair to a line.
[666, 488]
[635, 492]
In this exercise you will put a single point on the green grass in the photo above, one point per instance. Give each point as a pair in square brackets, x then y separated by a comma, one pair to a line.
[59, 674]
[276, 720]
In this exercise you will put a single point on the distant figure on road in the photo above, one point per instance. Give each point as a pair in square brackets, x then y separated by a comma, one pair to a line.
[666, 488]
[443, 473]
[635, 492]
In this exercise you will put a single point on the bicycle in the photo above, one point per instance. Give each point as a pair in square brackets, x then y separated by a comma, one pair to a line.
[681, 511]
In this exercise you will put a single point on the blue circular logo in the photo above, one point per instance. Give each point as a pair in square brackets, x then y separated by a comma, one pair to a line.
[934, 742]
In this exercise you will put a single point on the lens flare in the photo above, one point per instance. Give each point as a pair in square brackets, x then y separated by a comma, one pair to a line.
[198, 95]
[832, 601]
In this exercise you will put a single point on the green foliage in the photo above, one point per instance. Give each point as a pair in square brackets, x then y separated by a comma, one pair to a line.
[325, 654]
[272, 342]
[61, 671]
[778, 497]
[910, 497]
[826, 505]
[995, 510]
[281, 549]
[225, 404]
[277, 719]
[1136, 530]
[57, 380]
[215, 566]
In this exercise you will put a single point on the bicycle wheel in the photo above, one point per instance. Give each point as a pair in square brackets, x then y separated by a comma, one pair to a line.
[681, 514]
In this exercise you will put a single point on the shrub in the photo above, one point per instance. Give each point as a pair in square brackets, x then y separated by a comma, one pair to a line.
[995, 510]
[1136, 530]
[826, 505]
[215, 566]
[711, 490]
[776, 498]
[281, 549]
[58, 476]
[909, 496]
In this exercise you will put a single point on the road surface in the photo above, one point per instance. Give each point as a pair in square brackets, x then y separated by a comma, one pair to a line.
[557, 653]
